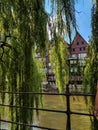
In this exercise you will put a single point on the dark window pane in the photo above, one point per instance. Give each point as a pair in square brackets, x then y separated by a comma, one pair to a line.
[77, 43]
[80, 49]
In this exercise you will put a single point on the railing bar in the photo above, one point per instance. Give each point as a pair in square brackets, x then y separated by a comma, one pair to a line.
[80, 94]
[41, 109]
[65, 94]
[68, 123]
[78, 113]
[27, 125]
[67, 112]
[50, 110]
[33, 93]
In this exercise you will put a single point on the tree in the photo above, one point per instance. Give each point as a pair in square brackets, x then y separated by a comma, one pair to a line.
[58, 57]
[91, 70]
[23, 25]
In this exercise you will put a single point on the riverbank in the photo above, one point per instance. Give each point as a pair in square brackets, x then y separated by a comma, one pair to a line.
[51, 88]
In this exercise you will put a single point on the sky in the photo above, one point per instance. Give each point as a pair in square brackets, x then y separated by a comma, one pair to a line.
[83, 17]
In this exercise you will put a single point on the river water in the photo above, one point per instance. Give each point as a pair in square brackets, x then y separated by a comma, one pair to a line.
[58, 120]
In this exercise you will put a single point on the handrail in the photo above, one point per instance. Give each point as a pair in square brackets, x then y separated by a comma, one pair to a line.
[68, 111]
[46, 93]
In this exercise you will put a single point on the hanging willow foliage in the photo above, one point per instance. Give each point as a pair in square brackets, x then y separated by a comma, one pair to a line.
[63, 11]
[23, 25]
[91, 70]
[58, 57]
[22, 21]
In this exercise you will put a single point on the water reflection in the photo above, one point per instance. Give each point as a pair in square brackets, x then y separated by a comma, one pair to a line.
[58, 120]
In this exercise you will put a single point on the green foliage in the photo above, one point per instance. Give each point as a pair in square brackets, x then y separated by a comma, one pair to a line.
[91, 70]
[58, 57]
[25, 30]
[90, 80]
[23, 25]
[65, 16]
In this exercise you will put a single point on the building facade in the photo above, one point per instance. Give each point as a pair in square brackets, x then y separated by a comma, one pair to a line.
[78, 47]
[77, 54]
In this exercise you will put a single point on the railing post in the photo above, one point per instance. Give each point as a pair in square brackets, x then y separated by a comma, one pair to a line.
[68, 124]
[0, 121]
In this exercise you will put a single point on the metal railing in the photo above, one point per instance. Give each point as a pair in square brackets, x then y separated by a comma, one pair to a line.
[68, 111]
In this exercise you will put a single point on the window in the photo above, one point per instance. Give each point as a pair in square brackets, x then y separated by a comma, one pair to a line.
[80, 49]
[73, 55]
[73, 49]
[83, 55]
[77, 43]
[71, 61]
[83, 48]
[82, 42]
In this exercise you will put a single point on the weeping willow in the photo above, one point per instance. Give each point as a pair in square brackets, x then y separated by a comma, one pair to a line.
[23, 25]
[91, 70]
[58, 57]
[63, 23]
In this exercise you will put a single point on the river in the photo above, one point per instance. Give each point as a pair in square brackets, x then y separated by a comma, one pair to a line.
[58, 120]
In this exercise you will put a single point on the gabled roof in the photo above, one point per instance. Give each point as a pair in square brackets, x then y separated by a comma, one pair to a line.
[78, 35]
[78, 45]
[66, 44]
